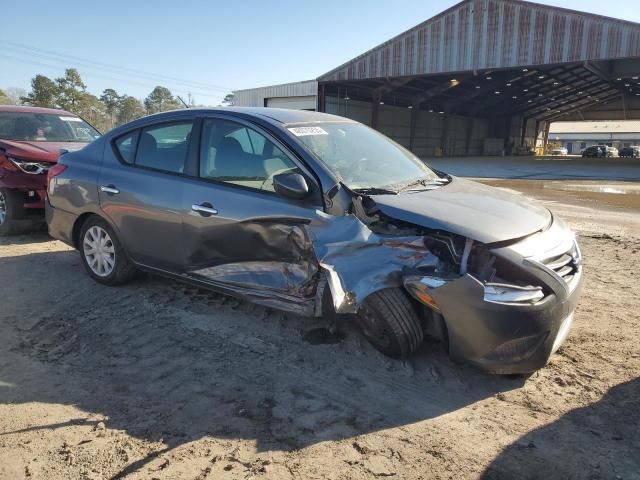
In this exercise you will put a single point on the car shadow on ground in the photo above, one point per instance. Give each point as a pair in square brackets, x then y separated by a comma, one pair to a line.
[559, 450]
[172, 363]
[25, 239]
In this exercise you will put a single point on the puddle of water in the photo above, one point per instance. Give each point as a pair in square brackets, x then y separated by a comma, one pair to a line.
[613, 194]
[618, 189]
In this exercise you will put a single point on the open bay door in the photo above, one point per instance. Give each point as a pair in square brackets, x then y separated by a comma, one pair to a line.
[295, 103]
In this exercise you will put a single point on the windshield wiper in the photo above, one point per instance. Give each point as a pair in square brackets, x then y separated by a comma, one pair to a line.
[375, 191]
[425, 183]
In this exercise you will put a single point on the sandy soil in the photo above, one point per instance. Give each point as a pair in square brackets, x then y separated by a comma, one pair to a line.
[157, 380]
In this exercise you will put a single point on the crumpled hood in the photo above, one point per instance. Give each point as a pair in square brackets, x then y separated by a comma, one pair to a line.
[38, 151]
[468, 208]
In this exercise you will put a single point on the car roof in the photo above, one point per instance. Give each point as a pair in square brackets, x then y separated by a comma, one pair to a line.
[28, 109]
[273, 115]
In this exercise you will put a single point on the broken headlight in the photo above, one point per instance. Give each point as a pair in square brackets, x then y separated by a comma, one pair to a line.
[512, 294]
[420, 288]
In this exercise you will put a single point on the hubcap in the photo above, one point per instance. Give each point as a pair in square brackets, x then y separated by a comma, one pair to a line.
[99, 251]
[3, 208]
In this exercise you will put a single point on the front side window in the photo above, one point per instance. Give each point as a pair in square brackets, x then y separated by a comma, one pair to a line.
[45, 127]
[233, 153]
[164, 147]
[362, 157]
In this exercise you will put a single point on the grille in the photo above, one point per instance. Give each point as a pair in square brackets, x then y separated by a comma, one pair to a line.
[566, 265]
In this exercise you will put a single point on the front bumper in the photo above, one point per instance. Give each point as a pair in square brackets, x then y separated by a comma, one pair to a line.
[520, 333]
[501, 338]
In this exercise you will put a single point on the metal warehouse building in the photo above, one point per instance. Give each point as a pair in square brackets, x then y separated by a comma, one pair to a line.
[483, 77]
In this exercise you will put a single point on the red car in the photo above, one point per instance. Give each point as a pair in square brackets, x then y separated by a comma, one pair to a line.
[30, 142]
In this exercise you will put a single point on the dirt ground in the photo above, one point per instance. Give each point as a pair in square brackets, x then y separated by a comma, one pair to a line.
[158, 380]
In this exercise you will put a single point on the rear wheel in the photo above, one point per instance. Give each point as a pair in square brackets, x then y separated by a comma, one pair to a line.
[11, 211]
[389, 321]
[102, 255]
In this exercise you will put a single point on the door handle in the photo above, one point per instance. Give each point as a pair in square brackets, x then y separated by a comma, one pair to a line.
[205, 209]
[109, 189]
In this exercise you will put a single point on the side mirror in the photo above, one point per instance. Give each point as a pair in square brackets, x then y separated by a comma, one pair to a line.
[291, 185]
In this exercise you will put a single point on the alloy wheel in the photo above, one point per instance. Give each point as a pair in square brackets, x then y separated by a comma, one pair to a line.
[99, 251]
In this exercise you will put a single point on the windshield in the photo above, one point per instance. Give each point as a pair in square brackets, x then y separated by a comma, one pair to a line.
[362, 157]
[45, 127]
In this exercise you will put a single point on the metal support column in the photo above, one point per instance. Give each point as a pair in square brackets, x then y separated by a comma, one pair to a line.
[322, 107]
[523, 133]
[467, 147]
[412, 129]
[375, 106]
[547, 126]
[536, 135]
[445, 134]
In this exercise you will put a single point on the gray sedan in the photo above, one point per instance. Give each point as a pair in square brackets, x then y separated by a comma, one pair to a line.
[317, 214]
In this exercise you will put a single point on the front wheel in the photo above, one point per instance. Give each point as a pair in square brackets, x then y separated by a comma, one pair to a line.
[11, 211]
[102, 255]
[390, 323]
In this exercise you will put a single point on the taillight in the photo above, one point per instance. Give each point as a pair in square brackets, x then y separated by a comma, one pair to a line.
[54, 171]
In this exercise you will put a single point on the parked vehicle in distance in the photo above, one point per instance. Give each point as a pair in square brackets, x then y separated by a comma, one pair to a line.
[559, 151]
[611, 152]
[593, 151]
[30, 142]
[317, 214]
[600, 151]
[630, 152]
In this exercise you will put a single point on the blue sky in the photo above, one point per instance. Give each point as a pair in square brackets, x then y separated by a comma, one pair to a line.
[213, 46]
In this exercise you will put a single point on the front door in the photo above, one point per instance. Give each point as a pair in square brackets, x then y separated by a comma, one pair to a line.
[239, 234]
[141, 192]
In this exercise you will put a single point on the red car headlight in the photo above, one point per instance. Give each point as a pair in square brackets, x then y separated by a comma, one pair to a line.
[32, 168]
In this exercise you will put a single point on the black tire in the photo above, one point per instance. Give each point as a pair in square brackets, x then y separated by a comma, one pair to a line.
[122, 271]
[12, 205]
[390, 323]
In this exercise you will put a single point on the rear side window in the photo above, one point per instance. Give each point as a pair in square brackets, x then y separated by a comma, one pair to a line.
[164, 147]
[126, 145]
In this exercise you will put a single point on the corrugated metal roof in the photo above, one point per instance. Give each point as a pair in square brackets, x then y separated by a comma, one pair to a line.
[627, 126]
[486, 34]
[254, 97]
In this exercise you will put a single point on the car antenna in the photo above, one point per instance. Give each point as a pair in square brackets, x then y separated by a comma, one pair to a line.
[183, 102]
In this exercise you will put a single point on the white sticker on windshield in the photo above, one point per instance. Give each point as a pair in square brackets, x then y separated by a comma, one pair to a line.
[71, 119]
[302, 131]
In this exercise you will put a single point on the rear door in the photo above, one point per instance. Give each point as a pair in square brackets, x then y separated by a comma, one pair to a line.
[238, 233]
[141, 185]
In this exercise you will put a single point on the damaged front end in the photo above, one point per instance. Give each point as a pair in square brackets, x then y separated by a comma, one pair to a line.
[505, 306]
